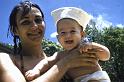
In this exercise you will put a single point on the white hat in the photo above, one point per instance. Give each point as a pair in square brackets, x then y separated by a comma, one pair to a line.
[77, 14]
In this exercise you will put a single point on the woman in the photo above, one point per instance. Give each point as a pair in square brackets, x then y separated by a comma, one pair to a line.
[27, 27]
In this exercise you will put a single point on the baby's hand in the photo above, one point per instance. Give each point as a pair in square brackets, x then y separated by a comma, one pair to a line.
[85, 47]
[32, 74]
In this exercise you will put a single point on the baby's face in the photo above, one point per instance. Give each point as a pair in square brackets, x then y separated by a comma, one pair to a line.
[69, 33]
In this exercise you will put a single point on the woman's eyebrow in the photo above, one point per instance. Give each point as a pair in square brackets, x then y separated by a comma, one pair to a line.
[37, 16]
[23, 18]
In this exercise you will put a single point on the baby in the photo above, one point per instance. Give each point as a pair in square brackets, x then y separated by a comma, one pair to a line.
[71, 23]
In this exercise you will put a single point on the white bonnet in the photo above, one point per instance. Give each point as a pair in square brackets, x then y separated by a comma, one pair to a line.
[77, 14]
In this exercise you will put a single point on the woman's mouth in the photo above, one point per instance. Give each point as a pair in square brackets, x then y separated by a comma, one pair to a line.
[35, 35]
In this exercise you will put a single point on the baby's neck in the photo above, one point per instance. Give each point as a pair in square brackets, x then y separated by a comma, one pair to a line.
[73, 48]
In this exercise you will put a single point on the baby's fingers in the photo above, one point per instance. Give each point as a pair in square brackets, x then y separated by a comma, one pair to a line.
[27, 73]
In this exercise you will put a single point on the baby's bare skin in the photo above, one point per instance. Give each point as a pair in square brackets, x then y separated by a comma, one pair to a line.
[75, 72]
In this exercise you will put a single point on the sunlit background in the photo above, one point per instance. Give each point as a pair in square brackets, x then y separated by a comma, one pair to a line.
[104, 12]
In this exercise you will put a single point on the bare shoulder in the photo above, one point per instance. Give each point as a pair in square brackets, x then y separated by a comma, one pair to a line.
[7, 56]
[57, 56]
[9, 70]
[5, 60]
[54, 58]
[4, 56]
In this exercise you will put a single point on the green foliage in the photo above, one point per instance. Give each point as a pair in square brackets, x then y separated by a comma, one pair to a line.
[50, 47]
[9, 46]
[113, 38]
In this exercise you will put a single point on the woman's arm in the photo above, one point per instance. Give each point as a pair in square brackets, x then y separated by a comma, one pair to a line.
[54, 74]
[42, 67]
[57, 71]
[10, 73]
[73, 59]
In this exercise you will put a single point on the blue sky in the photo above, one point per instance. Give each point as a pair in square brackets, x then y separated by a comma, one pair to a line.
[105, 12]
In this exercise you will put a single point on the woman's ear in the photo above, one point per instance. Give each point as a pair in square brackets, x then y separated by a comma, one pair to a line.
[16, 32]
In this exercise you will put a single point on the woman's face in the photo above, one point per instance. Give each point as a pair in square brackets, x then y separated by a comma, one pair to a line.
[31, 27]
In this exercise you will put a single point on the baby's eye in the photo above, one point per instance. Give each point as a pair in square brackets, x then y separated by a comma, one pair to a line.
[25, 22]
[38, 20]
[73, 31]
[62, 33]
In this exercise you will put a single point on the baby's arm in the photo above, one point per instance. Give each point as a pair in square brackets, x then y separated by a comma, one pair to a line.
[41, 67]
[100, 51]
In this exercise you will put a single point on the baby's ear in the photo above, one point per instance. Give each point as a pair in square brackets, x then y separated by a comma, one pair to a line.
[83, 34]
[57, 36]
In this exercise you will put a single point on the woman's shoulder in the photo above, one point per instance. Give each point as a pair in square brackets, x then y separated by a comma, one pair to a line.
[4, 55]
[5, 58]
[11, 56]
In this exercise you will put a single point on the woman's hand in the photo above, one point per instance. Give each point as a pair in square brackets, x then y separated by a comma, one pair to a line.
[101, 52]
[75, 59]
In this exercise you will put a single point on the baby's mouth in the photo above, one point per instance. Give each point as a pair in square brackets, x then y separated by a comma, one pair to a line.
[69, 41]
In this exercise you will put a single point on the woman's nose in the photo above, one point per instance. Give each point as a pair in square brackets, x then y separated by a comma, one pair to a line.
[34, 25]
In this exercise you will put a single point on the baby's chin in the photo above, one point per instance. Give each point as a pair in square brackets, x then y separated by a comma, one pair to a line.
[68, 49]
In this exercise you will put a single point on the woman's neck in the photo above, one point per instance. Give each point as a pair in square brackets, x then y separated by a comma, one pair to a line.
[32, 51]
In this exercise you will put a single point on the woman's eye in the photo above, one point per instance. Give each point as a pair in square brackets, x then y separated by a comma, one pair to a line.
[38, 20]
[26, 22]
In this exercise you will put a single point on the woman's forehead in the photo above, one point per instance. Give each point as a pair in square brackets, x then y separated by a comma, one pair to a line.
[33, 12]
[36, 11]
